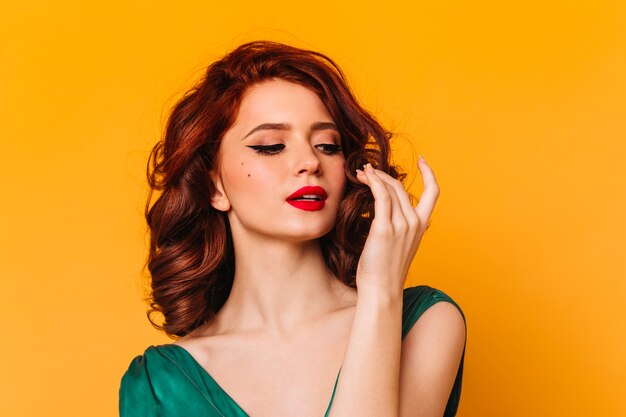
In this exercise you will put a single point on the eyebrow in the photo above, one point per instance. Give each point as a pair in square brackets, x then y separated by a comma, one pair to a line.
[285, 126]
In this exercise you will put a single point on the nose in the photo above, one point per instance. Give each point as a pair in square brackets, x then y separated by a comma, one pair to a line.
[307, 160]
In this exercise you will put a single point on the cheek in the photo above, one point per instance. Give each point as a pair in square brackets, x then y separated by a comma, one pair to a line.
[250, 176]
[339, 171]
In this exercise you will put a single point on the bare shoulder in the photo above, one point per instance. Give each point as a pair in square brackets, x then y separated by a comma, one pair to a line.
[442, 318]
[199, 340]
[431, 356]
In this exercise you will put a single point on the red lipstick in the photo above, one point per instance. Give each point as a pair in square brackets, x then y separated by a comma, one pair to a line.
[308, 198]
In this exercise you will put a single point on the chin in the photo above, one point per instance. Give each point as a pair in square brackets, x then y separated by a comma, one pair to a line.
[307, 233]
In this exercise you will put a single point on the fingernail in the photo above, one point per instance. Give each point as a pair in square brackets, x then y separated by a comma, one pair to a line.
[369, 167]
[421, 158]
[358, 171]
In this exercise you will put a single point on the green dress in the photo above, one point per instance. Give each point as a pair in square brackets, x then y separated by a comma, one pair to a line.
[166, 381]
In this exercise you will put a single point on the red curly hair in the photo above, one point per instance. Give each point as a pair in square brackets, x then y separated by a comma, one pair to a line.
[191, 251]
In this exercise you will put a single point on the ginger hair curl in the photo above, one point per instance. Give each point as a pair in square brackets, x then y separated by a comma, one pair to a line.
[191, 260]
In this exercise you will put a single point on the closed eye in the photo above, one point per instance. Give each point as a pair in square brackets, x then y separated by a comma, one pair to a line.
[326, 148]
[268, 149]
[329, 148]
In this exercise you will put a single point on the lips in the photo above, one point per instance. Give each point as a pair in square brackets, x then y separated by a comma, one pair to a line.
[308, 198]
[310, 192]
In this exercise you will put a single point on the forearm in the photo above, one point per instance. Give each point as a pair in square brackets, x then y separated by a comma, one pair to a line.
[369, 381]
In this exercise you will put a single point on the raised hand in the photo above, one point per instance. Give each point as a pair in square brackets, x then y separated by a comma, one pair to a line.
[396, 230]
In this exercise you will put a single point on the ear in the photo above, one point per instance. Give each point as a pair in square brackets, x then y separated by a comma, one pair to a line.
[219, 199]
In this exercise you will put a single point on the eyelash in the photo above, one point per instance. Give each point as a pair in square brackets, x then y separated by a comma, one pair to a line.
[275, 149]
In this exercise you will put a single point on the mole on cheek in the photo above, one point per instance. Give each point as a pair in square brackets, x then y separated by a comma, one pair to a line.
[248, 174]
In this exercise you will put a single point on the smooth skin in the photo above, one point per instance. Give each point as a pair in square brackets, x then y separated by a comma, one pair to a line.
[431, 352]
[285, 306]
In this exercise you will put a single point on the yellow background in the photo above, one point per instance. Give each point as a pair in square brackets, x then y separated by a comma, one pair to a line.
[519, 107]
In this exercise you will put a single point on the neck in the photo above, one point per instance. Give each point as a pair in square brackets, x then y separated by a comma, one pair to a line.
[278, 286]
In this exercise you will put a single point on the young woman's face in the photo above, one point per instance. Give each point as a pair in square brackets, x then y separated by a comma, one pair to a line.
[282, 140]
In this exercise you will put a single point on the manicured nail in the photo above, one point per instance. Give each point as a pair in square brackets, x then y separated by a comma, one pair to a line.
[358, 171]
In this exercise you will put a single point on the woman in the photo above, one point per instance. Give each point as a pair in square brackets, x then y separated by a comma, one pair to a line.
[280, 244]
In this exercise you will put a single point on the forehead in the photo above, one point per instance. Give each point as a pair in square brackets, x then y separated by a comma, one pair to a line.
[277, 100]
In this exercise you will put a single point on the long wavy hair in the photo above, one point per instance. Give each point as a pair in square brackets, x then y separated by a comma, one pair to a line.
[191, 260]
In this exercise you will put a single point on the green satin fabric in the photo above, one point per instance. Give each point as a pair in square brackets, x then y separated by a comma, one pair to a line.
[166, 381]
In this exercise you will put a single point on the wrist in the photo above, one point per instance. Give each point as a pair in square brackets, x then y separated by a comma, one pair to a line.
[383, 294]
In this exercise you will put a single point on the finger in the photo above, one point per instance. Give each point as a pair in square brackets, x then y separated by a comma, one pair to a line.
[382, 200]
[404, 202]
[360, 175]
[430, 194]
[398, 219]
